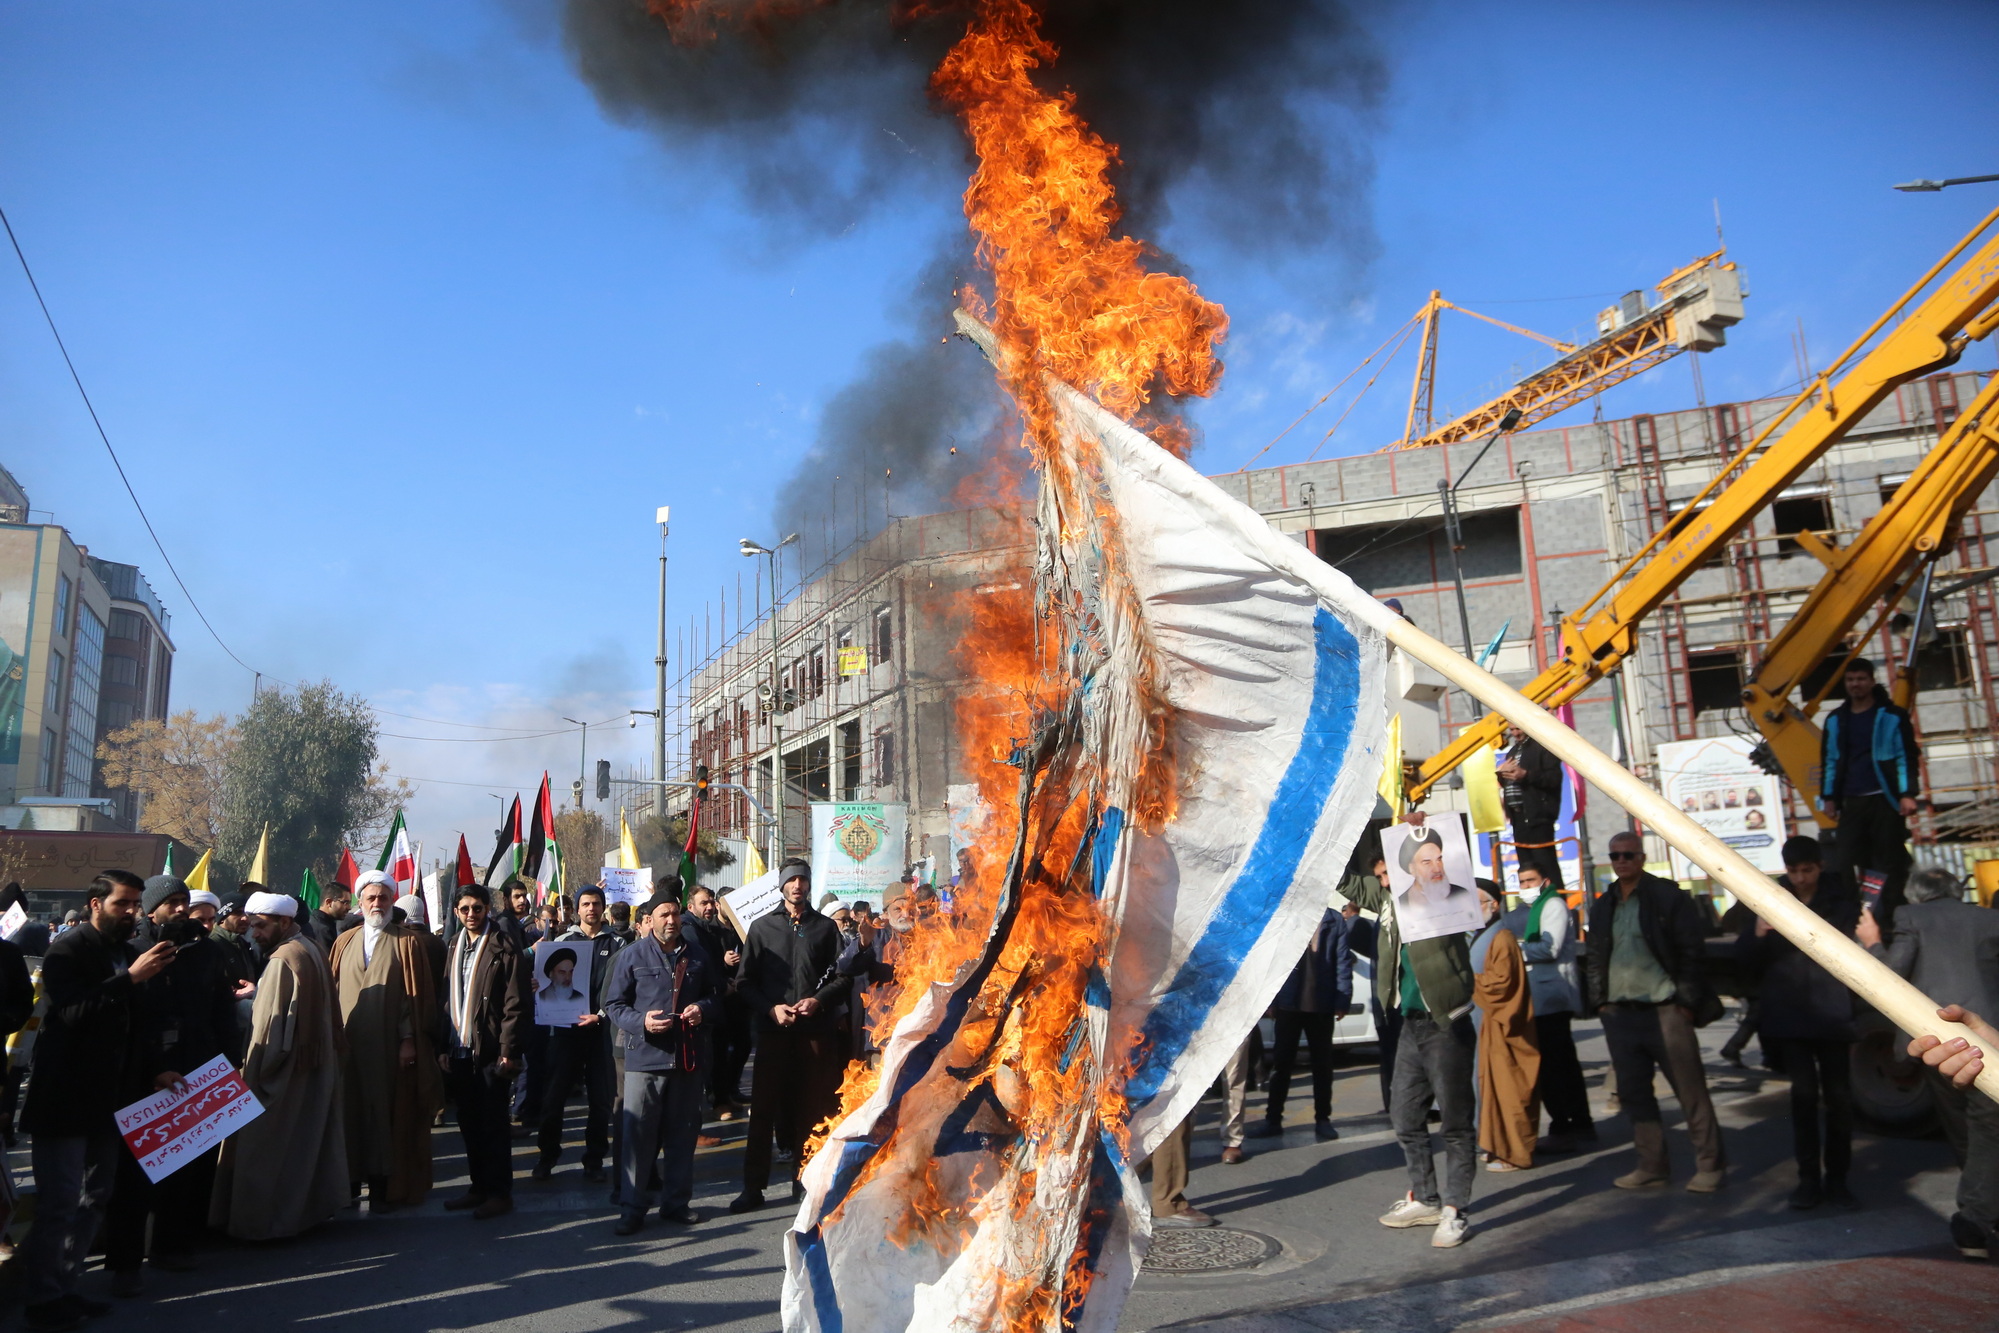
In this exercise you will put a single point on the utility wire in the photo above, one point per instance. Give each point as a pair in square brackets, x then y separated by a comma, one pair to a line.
[95, 421]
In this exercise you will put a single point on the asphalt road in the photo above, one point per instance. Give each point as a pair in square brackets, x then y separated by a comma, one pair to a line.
[1546, 1243]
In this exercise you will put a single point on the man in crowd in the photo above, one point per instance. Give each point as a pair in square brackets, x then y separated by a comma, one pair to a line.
[333, 916]
[870, 958]
[490, 1005]
[1311, 1000]
[1868, 779]
[1548, 943]
[584, 1049]
[416, 915]
[1429, 982]
[1950, 950]
[1530, 790]
[232, 932]
[792, 984]
[621, 923]
[86, 1063]
[286, 1171]
[731, 1036]
[1645, 949]
[185, 1018]
[1806, 1021]
[390, 1014]
[664, 996]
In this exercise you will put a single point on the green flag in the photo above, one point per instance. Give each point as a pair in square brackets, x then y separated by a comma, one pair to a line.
[309, 890]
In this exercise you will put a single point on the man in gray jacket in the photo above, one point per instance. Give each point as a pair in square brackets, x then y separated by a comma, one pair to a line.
[1950, 951]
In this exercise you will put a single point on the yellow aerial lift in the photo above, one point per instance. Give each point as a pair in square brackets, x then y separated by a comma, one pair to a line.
[1597, 637]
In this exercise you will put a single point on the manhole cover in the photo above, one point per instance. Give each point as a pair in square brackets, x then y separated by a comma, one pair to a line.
[1209, 1250]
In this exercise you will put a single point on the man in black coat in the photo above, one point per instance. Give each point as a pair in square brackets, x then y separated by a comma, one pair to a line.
[334, 916]
[718, 939]
[1646, 945]
[1310, 1001]
[1805, 1016]
[791, 982]
[489, 1002]
[87, 1062]
[1530, 789]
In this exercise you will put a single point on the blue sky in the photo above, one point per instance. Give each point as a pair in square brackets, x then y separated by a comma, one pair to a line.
[402, 341]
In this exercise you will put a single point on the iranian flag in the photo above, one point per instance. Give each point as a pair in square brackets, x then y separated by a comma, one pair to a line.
[397, 861]
[507, 853]
[544, 856]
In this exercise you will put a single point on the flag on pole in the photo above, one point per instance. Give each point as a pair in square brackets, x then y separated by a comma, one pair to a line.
[628, 851]
[197, 878]
[308, 890]
[544, 854]
[686, 871]
[168, 868]
[348, 871]
[1488, 811]
[1390, 787]
[506, 862]
[260, 867]
[398, 859]
[1578, 789]
[753, 861]
[465, 872]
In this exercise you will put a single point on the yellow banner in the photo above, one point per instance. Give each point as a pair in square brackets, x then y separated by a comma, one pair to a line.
[1488, 813]
[1390, 785]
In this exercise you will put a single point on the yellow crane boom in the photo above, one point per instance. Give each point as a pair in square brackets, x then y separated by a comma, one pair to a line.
[1598, 636]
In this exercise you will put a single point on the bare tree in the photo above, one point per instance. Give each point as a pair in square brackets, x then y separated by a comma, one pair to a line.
[180, 769]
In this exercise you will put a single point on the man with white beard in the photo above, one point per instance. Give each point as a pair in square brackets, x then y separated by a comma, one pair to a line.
[387, 991]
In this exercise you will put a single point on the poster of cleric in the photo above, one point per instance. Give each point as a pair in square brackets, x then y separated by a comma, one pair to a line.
[561, 983]
[1430, 878]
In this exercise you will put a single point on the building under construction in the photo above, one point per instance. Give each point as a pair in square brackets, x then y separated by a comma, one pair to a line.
[857, 684]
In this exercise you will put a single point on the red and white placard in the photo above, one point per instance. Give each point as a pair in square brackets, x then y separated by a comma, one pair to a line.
[169, 1129]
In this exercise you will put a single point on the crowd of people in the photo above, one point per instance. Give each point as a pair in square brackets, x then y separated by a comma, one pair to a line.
[361, 1026]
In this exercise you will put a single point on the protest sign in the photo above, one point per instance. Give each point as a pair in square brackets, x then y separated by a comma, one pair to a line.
[169, 1129]
[857, 848]
[1719, 787]
[627, 884]
[760, 897]
[11, 923]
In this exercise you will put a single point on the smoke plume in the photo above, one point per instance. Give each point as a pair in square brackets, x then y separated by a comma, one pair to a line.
[820, 112]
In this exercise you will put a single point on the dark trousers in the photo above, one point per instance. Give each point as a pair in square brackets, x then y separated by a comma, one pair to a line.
[533, 1078]
[1820, 1072]
[661, 1115]
[1318, 1032]
[1872, 835]
[732, 1052]
[1752, 1011]
[1561, 1079]
[1645, 1037]
[1387, 1033]
[1533, 839]
[1437, 1060]
[482, 1097]
[178, 1207]
[73, 1183]
[1971, 1123]
[795, 1085]
[574, 1051]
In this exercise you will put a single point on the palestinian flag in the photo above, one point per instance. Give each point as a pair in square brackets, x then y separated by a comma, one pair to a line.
[308, 890]
[349, 872]
[397, 861]
[544, 856]
[686, 871]
[507, 854]
[466, 875]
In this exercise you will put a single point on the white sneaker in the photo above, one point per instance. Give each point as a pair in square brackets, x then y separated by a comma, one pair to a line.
[1451, 1228]
[1409, 1213]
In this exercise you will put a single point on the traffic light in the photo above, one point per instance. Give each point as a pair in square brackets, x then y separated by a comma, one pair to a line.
[603, 779]
[701, 779]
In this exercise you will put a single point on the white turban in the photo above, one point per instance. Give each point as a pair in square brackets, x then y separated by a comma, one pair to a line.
[271, 904]
[203, 898]
[414, 909]
[372, 877]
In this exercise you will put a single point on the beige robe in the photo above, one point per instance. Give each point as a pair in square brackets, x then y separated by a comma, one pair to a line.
[389, 1106]
[286, 1171]
[1509, 1060]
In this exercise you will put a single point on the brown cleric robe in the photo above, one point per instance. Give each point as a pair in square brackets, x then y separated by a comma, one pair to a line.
[389, 1106]
[286, 1171]
[1509, 1061]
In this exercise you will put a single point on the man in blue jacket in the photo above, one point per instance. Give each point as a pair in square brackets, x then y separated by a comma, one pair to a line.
[664, 995]
[1868, 780]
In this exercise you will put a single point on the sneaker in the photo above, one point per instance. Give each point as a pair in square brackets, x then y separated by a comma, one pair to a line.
[1266, 1128]
[1970, 1238]
[1186, 1219]
[628, 1224]
[1807, 1196]
[1233, 1156]
[747, 1202]
[1707, 1182]
[1324, 1132]
[1451, 1228]
[1639, 1179]
[1408, 1212]
[52, 1317]
[1497, 1164]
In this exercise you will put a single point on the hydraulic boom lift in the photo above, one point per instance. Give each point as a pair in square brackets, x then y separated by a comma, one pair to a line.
[1596, 638]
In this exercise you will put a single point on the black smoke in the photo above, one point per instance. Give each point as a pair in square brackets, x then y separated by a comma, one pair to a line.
[1220, 110]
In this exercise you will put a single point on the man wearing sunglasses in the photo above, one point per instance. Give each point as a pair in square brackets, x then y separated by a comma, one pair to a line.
[1645, 950]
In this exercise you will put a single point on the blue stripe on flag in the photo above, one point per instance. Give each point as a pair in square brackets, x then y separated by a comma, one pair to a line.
[1107, 839]
[1246, 905]
[818, 1272]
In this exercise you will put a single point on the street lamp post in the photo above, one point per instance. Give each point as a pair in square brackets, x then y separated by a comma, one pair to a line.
[770, 553]
[1931, 187]
[582, 759]
[659, 664]
[1447, 491]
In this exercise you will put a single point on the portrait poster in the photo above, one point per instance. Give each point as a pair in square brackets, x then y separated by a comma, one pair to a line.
[561, 982]
[858, 849]
[1430, 878]
[1716, 784]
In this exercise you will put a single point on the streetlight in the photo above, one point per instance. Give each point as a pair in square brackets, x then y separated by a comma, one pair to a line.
[582, 760]
[659, 660]
[771, 556]
[1931, 187]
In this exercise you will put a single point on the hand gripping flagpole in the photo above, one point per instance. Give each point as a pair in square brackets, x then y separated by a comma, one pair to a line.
[1905, 1006]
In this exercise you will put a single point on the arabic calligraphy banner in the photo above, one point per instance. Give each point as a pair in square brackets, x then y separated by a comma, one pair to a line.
[169, 1129]
[858, 847]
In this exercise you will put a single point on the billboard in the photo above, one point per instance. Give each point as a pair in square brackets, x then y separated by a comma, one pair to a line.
[858, 848]
[1715, 784]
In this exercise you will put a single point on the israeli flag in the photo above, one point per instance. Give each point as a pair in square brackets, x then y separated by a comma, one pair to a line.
[1274, 672]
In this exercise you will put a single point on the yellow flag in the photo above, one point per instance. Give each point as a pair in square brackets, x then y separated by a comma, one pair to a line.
[260, 869]
[197, 878]
[628, 851]
[753, 862]
[1488, 814]
[1390, 785]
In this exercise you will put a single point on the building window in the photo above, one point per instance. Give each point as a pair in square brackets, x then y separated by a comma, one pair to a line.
[884, 758]
[850, 760]
[1792, 514]
[1891, 483]
[884, 633]
[1716, 678]
[80, 756]
[121, 670]
[1944, 663]
[62, 604]
[1415, 553]
[127, 625]
[815, 674]
[52, 696]
[117, 714]
[162, 662]
[51, 750]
